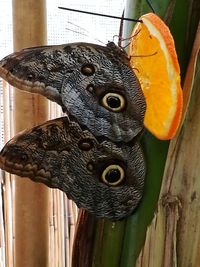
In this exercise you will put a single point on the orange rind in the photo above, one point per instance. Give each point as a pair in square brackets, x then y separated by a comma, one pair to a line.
[154, 61]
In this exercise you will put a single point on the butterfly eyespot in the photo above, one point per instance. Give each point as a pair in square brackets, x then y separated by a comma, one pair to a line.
[85, 144]
[12, 71]
[90, 88]
[113, 175]
[87, 69]
[113, 102]
[23, 157]
[30, 77]
[90, 166]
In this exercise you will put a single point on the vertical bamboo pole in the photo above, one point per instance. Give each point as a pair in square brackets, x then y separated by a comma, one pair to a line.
[8, 195]
[31, 200]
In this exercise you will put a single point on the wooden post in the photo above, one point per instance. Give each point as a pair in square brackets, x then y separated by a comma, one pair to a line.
[31, 199]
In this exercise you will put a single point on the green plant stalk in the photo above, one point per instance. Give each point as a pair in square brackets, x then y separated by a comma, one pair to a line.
[174, 234]
[155, 151]
[183, 27]
[108, 243]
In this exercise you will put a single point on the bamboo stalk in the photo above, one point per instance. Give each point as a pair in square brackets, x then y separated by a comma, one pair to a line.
[55, 219]
[60, 229]
[72, 217]
[51, 262]
[176, 223]
[67, 233]
[2, 233]
[8, 196]
[31, 200]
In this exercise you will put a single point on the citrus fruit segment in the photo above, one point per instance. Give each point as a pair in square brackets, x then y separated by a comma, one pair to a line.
[154, 61]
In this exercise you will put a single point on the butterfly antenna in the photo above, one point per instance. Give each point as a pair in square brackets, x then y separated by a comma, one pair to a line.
[126, 39]
[78, 26]
[120, 31]
[99, 14]
[151, 6]
[81, 33]
[88, 33]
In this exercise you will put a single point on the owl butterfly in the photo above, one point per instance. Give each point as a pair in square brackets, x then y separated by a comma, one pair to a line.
[93, 154]
[93, 84]
[103, 177]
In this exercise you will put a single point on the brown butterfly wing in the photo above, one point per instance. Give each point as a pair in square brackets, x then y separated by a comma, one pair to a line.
[100, 176]
[93, 83]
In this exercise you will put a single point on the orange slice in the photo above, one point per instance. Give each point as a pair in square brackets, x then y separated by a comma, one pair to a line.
[155, 63]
